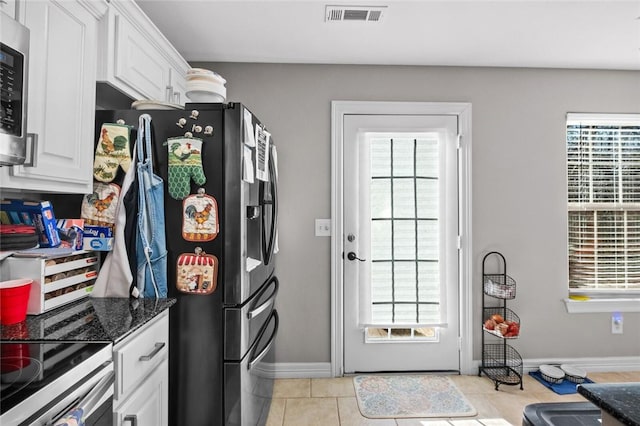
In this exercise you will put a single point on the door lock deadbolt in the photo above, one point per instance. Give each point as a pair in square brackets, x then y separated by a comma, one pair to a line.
[351, 238]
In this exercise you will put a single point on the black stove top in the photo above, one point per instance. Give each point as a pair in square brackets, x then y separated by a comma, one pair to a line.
[25, 368]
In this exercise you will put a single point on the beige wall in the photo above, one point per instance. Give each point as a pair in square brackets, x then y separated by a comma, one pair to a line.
[518, 186]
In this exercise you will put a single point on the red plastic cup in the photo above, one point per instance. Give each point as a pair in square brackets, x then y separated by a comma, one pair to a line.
[14, 298]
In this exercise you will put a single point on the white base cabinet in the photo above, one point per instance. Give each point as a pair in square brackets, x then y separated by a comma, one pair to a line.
[147, 406]
[141, 390]
[61, 98]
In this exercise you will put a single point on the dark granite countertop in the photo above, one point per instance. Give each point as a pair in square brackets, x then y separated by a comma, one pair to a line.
[619, 400]
[92, 319]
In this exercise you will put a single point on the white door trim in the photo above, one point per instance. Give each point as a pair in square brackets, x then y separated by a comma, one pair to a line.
[338, 110]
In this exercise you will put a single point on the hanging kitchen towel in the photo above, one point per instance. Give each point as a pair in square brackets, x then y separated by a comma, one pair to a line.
[197, 273]
[73, 418]
[185, 163]
[151, 246]
[99, 207]
[115, 277]
[112, 151]
[200, 217]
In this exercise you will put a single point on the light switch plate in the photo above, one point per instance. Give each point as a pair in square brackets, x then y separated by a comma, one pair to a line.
[616, 323]
[323, 227]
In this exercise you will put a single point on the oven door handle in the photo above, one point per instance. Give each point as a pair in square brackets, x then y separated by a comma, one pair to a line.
[89, 401]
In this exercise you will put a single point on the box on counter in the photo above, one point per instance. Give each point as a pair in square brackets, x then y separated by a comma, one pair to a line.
[71, 233]
[97, 238]
[34, 213]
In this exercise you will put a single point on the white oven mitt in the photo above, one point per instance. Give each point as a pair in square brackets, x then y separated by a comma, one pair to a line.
[112, 151]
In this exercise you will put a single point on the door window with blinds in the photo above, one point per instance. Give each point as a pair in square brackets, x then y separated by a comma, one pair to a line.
[603, 171]
[406, 185]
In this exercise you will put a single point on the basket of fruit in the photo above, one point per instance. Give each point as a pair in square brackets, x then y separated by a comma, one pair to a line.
[502, 322]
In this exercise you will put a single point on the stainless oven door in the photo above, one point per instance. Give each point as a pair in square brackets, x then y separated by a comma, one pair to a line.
[90, 400]
[43, 382]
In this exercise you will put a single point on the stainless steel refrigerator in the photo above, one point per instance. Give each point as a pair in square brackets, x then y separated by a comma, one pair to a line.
[223, 328]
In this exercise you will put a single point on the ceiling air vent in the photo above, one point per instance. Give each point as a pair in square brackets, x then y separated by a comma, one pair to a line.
[354, 13]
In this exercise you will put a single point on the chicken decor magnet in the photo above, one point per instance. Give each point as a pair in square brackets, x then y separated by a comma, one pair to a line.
[197, 273]
[200, 217]
[185, 163]
[99, 207]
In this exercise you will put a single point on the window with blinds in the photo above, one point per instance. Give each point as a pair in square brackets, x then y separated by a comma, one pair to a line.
[603, 171]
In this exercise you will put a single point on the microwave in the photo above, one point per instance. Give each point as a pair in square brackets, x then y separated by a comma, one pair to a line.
[14, 73]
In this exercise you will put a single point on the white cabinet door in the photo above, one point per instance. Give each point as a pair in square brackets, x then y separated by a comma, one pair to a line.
[8, 7]
[61, 103]
[142, 375]
[147, 406]
[139, 354]
[138, 60]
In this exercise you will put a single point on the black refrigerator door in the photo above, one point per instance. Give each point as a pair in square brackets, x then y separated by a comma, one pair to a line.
[246, 269]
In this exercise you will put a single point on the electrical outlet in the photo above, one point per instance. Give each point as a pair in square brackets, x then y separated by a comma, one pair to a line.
[323, 227]
[616, 323]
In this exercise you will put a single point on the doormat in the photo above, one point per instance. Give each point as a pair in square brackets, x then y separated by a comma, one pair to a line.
[382, 397]
[565, 387]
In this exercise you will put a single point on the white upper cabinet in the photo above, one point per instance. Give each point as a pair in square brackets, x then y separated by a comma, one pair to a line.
[61, 98]
[136, 58]
[8, 7]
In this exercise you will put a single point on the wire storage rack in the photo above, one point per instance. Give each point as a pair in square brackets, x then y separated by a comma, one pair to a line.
[500, 361]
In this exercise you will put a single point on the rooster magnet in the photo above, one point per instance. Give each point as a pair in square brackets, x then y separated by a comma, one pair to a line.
[200, 217]
[99, 207]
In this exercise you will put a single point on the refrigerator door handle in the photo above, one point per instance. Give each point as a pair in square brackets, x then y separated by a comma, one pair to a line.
[267, 248]
[256, 359]
[273, 282]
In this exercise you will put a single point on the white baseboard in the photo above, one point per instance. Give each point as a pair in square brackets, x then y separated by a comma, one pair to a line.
[608, 364]
[612, 364]
[315, 370]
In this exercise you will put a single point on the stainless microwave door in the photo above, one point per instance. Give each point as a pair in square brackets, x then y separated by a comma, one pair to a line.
[14, 68]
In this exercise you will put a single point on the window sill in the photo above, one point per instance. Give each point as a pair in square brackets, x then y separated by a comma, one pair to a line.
[602, 305]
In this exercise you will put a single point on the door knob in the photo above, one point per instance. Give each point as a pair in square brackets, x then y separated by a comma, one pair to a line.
[352, 256]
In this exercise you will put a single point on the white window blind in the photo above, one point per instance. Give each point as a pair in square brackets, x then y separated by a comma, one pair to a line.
[404, 210]
[603, 171]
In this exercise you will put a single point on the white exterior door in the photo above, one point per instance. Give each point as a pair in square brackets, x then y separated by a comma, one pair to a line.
[400, 243]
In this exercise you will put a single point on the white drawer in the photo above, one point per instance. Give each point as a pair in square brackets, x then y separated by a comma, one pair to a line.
[138, 355]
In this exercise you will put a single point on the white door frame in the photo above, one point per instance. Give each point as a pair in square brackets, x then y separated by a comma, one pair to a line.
[463, 111]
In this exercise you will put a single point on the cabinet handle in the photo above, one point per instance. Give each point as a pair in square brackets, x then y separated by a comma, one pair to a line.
[32, 150]
[131, 418]
[158, 346]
